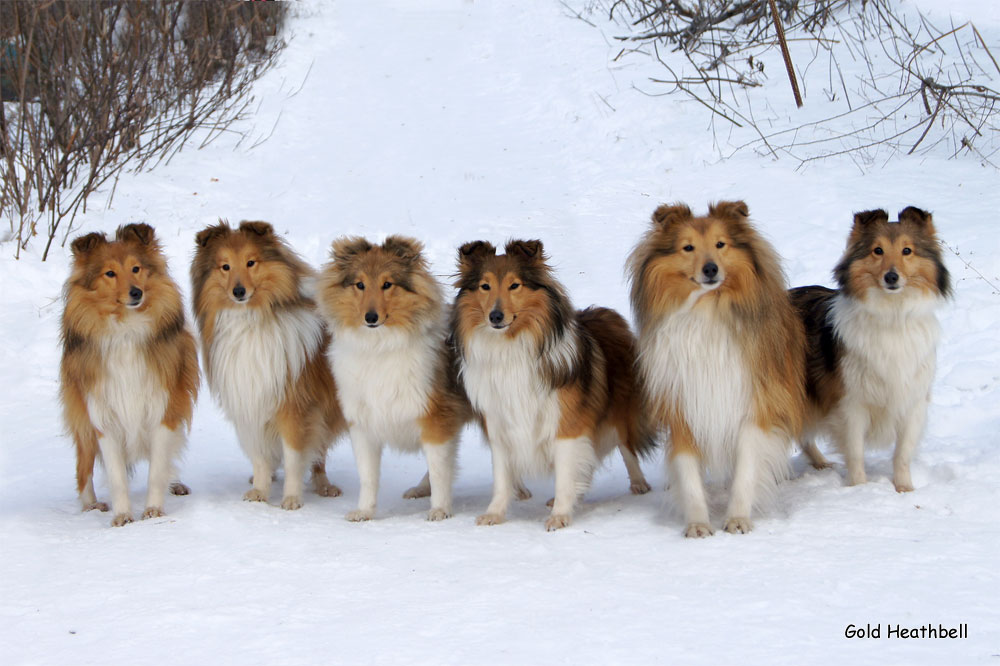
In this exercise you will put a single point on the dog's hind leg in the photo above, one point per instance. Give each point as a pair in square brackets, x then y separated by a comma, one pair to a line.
[422, 489]
[637, 480]
[320, 481]
[816, 458]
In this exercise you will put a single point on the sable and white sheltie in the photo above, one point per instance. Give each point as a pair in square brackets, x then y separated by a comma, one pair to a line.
[721, 354]
[264, 348]
[555, 389]
[872, 343]
[129, 372]
[395, 370]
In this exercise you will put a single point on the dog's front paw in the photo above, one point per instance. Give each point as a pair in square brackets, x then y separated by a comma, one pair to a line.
[856, 478]
[557, 522]
[416, 492]
[96, 506]
[640, 487]
[438, 514]
[698, 530]
[254, 495]
[291, 503]
[490, 519]
[903, 486]
[121, 519]
[153, 512]
[178, 488]
[360, 515]
[739, 525]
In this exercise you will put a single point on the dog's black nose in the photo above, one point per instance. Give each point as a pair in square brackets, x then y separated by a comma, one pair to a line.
[710, 270]
[135, 293]
[371, 317]
[239, 291]
[891, 278]
[496, 317]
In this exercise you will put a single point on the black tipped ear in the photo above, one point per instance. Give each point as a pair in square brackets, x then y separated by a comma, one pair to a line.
[403, 247]
[867, 218]
[84, 244]
[529, 250]
[346, 247]
[143, 232]
[472, 254]
[669, 214]
[257, 227]
[730, 210]
[919, 217]
[208, 234]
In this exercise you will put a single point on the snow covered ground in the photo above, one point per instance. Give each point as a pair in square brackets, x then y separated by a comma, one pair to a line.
[461, 120]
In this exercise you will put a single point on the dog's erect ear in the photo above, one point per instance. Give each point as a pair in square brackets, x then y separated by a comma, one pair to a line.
[920, 218]
[403, 247]
[730, 210]
[866, 218]
[143, 232]
[669, 214]
[84, 244]
[529, 251]
[257, 227]
[346, 247]
[208, 234]
[472, 254]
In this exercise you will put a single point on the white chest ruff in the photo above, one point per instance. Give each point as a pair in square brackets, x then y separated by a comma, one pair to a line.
[255, 354]
[690, 359]
[504, 384]
[888, 362]
[385, 378]
[129, 401]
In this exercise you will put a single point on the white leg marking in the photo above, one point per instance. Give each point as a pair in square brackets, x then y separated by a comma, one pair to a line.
[503, 487]
[441, 474]
[113, 455]
[853, 446]
[164, 445]
[751, 441]
[261, 490]
[910, 431]
[368, 456]
[637, 480]
[295, 471]
[685, 478]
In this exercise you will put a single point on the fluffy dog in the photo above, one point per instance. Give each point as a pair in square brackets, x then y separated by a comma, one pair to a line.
[129, 371]
[555, 389]
[264, 347]
[872, 343]
[394, 368]
[721, 354]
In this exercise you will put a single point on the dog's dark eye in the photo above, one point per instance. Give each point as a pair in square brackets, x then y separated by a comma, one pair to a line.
[360, 285]
[387, 285]
[225, 267]
[688, 248]
[110, 273]
[484, 287]
[907, 250]
[251, 263]
[135, 269]
[515, 286]
[720, 245]
[877, 251]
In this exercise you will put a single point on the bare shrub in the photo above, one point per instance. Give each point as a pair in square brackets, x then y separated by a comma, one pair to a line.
[924, 87]
[92, 88]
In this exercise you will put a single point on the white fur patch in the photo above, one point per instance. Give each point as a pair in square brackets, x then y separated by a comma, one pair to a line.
[129, 401]
[889, 359]
[504, 383]
[254, 354]
[691, 357]
[385, 377]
